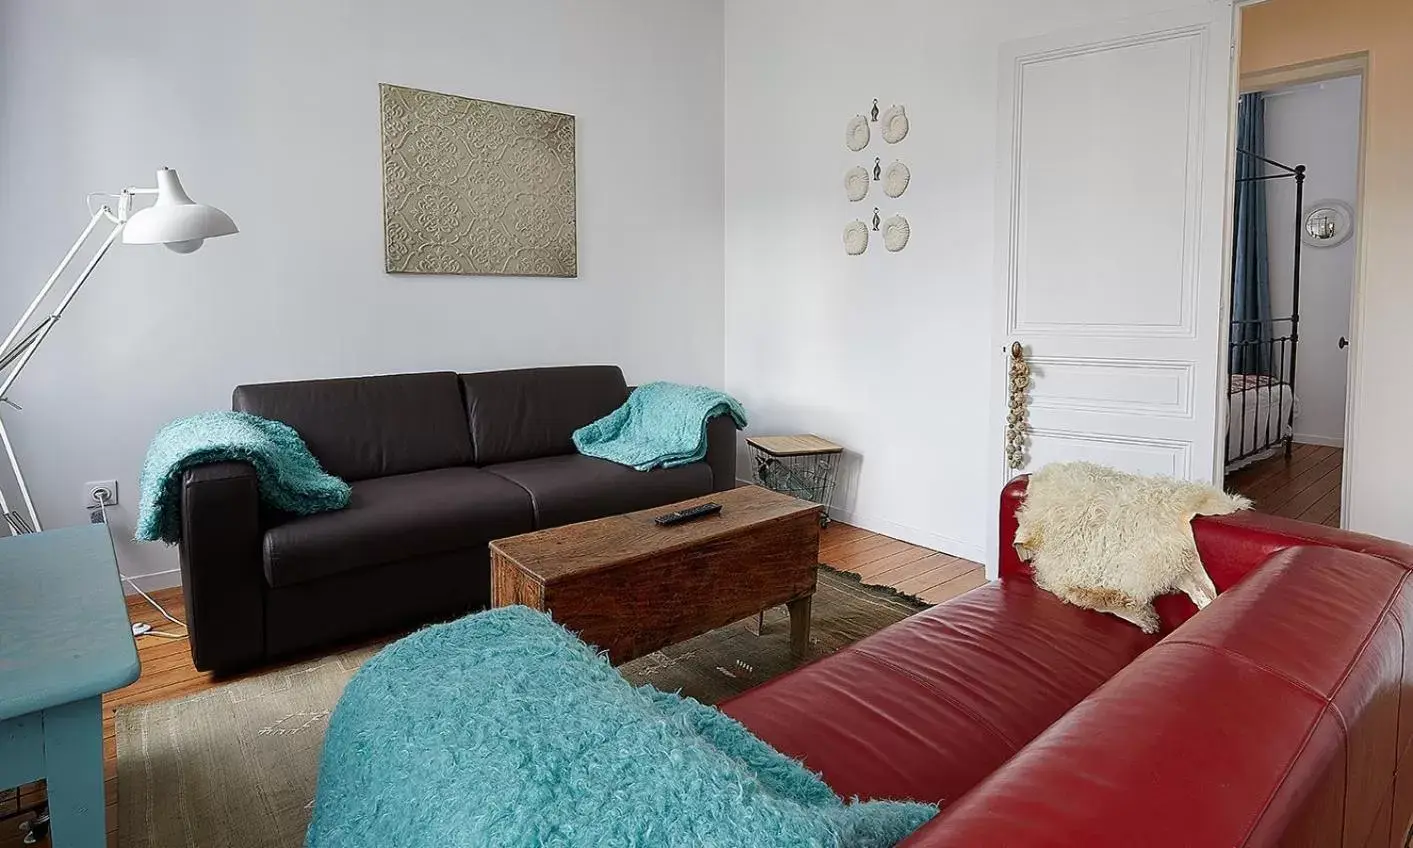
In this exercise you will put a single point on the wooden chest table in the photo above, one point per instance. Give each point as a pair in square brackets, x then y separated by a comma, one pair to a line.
[628, 586]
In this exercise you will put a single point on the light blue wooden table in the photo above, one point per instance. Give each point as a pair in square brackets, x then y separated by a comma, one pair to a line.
[65, 639]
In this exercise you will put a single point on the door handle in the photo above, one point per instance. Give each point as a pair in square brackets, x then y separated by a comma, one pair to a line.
[1343, 343]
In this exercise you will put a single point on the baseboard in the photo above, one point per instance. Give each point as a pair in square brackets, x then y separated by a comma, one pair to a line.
[152, 582]
[1322, 441]
[902, 532]
[911, 535]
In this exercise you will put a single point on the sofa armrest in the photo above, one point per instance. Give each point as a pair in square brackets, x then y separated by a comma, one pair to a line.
[721, 452]
[222, 580]
[1012, 567]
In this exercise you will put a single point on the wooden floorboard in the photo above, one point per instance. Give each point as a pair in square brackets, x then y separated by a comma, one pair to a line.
[952, 588]
[932, 576]
[945, 573]
[1306, 485]
[167, 672]
[868, 570]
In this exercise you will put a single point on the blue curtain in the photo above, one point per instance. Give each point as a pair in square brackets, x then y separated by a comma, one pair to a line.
[1250, 283]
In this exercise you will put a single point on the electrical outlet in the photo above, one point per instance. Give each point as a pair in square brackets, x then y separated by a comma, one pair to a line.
[92, 490]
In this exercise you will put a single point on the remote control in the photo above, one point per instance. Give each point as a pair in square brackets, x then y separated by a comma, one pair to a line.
[688, 514]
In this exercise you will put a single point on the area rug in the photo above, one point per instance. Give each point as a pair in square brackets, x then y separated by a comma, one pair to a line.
[235, 766]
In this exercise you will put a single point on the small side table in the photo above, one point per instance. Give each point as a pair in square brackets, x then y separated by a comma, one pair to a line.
[65, 639]
[804, 466]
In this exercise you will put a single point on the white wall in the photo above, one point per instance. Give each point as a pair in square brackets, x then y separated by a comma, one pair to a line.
[1317, 126]
[270, 110]
[887, 354]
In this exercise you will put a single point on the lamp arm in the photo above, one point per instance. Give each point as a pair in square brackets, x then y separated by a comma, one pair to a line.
[43, 331]
[22, 352]
[53, 278]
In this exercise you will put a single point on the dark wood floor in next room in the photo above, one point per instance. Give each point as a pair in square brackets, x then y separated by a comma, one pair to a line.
[1306, 486]
[167, 671]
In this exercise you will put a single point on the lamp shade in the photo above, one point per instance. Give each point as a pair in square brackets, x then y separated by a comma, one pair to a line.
[175, 220]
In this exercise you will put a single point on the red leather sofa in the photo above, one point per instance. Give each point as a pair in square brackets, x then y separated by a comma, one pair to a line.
[1276, 716]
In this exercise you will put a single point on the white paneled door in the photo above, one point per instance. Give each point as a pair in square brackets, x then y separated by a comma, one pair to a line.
[1112, 218]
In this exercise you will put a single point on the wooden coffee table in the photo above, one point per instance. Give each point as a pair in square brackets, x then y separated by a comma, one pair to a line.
[629, 586]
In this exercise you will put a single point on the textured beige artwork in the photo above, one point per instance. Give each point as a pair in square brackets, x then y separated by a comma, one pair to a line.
[475, 187]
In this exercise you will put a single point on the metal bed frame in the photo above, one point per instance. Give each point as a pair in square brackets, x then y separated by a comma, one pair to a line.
[1268, 431]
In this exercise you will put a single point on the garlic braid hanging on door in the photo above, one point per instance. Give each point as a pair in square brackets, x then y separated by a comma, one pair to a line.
[1017, 388]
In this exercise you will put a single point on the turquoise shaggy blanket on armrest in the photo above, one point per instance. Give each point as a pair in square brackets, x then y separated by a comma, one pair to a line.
[662, 424]
[287, 474]
[504, 729]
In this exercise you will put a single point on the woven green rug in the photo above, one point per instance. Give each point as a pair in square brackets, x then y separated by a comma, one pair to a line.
[236, 765]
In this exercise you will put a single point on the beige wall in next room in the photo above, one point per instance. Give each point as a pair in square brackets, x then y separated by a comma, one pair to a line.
[1281, 33]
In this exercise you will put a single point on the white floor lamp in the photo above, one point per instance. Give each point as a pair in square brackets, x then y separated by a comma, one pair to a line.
[173, 219]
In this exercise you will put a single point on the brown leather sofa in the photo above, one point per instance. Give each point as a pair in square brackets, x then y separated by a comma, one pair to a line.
[440, 464]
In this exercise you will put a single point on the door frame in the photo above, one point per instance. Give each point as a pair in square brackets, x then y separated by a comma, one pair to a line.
[1353, 64]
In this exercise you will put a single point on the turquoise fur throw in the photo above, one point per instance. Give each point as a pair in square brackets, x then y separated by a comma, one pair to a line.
[502, 729]
[288, 475]
[661, 424]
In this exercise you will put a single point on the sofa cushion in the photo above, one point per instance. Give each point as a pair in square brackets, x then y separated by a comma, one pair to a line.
[364, 427]
[566, 489]
[397, 518]
[532, 412]
[928, 707]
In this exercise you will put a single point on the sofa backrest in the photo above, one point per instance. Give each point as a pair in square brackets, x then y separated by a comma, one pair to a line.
[1230, 547]
[1276, 716]
[363, 427]
[532, 412]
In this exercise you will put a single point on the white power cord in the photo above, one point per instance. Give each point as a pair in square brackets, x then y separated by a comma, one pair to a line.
[140, 628]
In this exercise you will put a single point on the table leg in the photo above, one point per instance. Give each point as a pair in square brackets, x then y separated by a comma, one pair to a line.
[756, 625]
[800, 624]
[73, 756]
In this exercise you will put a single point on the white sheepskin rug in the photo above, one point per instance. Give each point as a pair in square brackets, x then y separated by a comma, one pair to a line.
[1110, 541]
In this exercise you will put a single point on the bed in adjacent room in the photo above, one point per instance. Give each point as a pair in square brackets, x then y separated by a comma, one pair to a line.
[1260, 418]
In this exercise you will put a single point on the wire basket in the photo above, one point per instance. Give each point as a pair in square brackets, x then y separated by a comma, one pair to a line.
[810, 476]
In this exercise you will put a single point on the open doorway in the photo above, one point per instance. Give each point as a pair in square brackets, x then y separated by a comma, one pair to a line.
[1292, 291]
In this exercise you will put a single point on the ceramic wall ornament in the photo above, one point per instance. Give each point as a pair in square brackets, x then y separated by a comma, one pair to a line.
[877, 168]
[876, 219]
[873, 113]
[895, 179]
[856, 183]
[895, 124]
[855, 238]
[895, 233]
[857, 134]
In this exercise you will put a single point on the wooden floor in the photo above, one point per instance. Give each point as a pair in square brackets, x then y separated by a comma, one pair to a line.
[881, 561]
[1306, 486]
[167, 671]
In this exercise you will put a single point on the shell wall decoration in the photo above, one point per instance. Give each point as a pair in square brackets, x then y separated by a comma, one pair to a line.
[895, 233]
[857, 134]
[893, 127]
[1018, 382]
[856, 183]
[895, 179]
[855, 238]
[895, 124]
